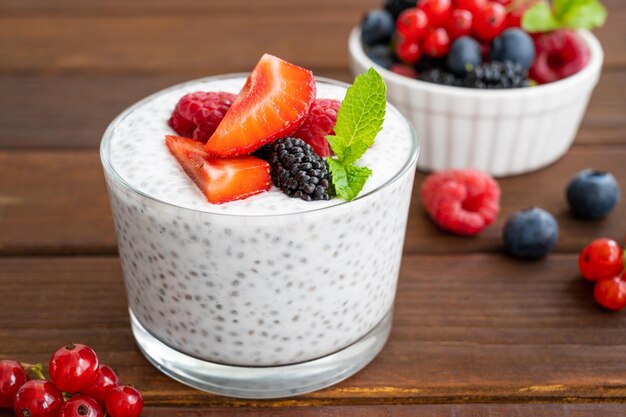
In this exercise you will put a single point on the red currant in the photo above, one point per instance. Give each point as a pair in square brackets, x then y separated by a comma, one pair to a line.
[412, 24]
[437, 43]
[73, 367]
[106, 380]
[38, 398]
[408, 51]
[12, 377]
[611, 293]
[472, 5]
[489, 21]
[81, 406]
[124, 401]
[403, 70]
[437, 11]
[460, 24]
[601, 259]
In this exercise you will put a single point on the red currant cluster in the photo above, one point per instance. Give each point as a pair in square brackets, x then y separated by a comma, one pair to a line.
[430, 27]
[79, 387]
[602, 262]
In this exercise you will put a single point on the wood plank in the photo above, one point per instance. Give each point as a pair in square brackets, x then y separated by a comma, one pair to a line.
[54, 202]
[467, 328]
[161, 36]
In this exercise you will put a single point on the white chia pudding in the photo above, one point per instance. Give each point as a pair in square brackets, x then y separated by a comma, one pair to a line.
[265, 281]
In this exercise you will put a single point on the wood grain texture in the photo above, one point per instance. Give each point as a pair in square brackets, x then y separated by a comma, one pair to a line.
[55, 202]
[467, 328]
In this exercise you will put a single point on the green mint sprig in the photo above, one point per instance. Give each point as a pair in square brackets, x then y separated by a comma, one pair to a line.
[569, 14]
[359, 120]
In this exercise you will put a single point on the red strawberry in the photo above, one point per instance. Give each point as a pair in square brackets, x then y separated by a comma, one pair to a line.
[319, 124]
[272, 104]
[221, 180]
[198, 114]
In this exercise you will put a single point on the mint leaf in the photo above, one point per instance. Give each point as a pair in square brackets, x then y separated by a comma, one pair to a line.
[360, 117]
[539, 18]
[348, 179]
[588, 14]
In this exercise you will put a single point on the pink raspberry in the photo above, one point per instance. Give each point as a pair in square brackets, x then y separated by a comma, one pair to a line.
[319, 123]
[197, 114]
[463, 202]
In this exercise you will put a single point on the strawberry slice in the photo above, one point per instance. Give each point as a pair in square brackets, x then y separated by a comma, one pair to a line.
[272, 104]
[221, 180]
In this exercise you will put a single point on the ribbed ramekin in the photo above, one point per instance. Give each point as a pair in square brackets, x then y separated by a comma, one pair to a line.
[503, 132]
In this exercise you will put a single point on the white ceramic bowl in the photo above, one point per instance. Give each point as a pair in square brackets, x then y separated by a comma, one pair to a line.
[503, 132]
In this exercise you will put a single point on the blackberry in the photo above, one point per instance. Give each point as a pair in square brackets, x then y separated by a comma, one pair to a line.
[439, 76]
[395, 7]
[296, 169]
[497, 75]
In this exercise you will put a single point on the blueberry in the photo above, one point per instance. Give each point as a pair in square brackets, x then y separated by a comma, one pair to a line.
[381, 54]
[513, 45]
[530, 234]
[464, 55]
[377, 27]
[592, 194]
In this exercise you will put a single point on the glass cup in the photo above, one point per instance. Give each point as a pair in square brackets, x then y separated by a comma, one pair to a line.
[261, 306]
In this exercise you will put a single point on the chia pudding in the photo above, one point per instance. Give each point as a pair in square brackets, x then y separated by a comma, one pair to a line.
[265, 281]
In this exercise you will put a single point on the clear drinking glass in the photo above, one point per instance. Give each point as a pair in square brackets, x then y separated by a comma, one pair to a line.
[260, 306]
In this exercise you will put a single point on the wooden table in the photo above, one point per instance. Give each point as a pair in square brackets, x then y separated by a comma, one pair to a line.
[475, 332]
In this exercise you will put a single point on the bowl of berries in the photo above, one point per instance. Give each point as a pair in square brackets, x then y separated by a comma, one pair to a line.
[500, 86]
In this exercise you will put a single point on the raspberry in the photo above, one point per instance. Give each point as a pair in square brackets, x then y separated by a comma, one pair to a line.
[463, 202]
[319, 123]
[197, 114]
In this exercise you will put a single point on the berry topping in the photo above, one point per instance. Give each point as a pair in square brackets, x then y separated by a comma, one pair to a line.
[601, 259]
[436, 43]
[496, 75]
[81, 406]
[12, 377]
[124, 401]
[197, 114]
[460, 24]
[73, 367]
[220, 180]
[514, 45]
[412, 24]
[611, 293]
[377, 27]
[272, 104]
[38, 398]
[559, 54]
[530, 234]
[464, 56]
[489, 21]
[106, 380]
[592, 194]
[319, 123]
[463, 202]
[297, 170]
[395, 7]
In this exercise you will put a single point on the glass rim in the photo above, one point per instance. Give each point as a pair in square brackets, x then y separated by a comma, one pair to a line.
[119, 179]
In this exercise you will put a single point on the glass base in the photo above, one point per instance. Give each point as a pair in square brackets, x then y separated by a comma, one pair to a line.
[262, 382]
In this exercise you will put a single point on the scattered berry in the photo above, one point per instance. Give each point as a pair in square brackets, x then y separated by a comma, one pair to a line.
[437, 11]
[12, 377]
[197, 115]
[272, 104]
[592, 194]
[74, 367]
[560, 53]
[463, 202]
[496, 75]
[381, 55]
[395, 7]
[403, 70]
[106, 379]
[464, 56]
[37, 398]
[297, 170]
[220, 180]
[436, 43]
[601, 259]
[124, 401]
[611, 293]
[81, 406]
[489, 21]
[412, 24]
[319, 123]
[531, 233]
[377, 27]
[408, 51]
[514, 45]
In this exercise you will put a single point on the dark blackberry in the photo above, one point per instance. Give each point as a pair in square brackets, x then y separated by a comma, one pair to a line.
[296, 169]
[439, 76]
[426, 63]
[395, 7]
[497, 75]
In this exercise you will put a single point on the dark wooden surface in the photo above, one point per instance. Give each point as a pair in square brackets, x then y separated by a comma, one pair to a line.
[475, 332]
